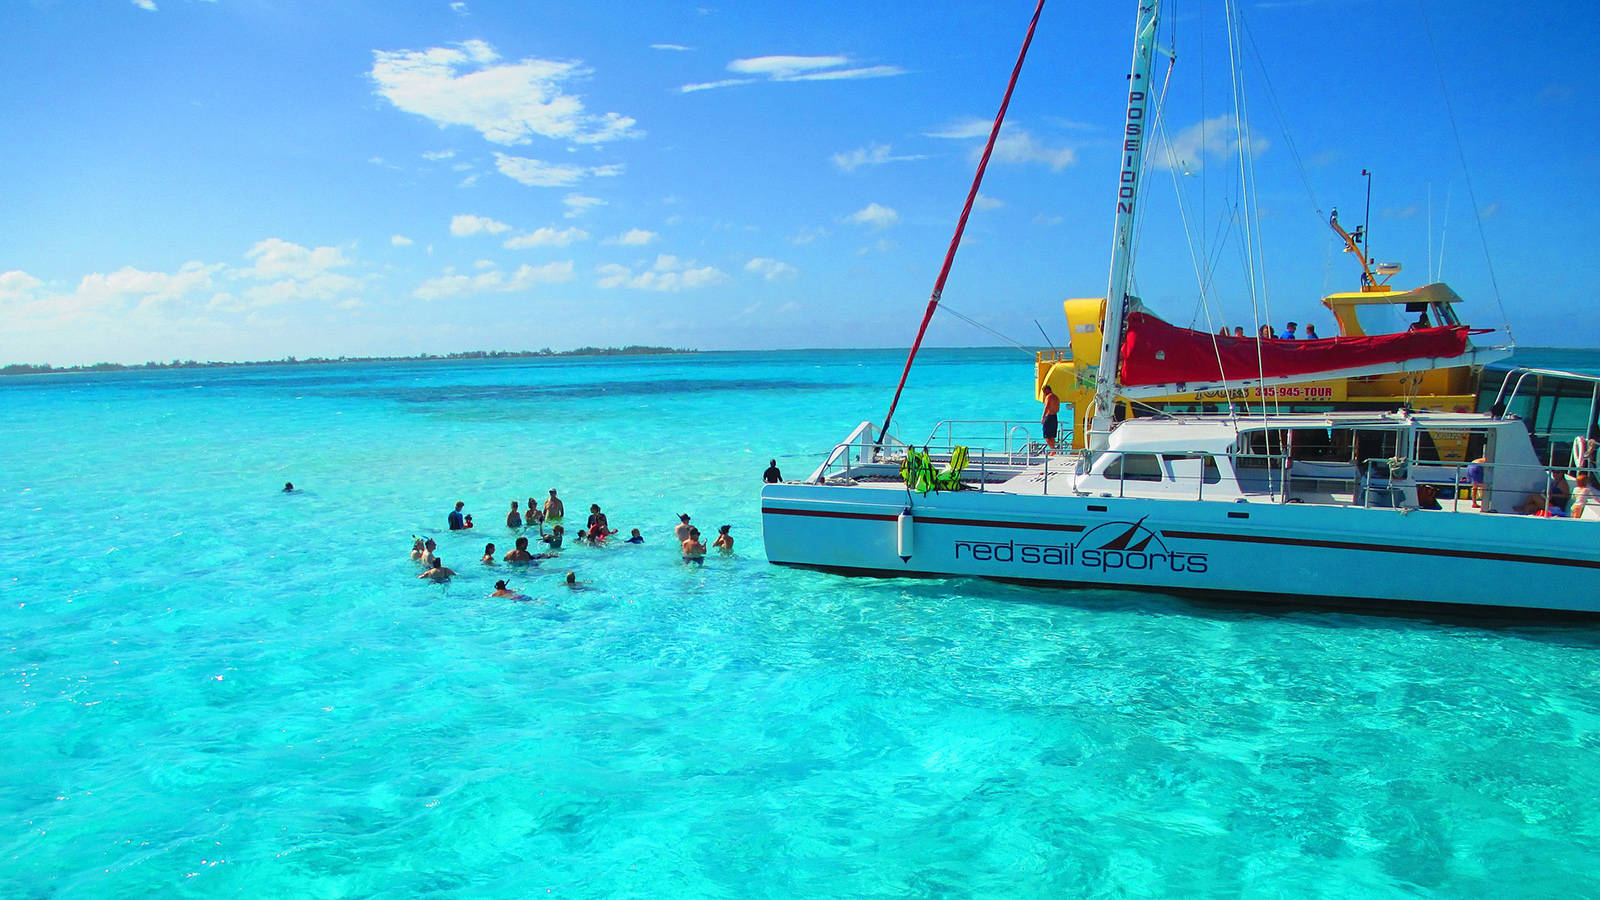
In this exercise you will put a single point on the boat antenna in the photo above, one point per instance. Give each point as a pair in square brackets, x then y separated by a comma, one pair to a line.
[961, 224]
[1133, 144]
[1366, 225]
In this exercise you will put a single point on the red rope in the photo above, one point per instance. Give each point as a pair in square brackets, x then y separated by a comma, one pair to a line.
[961, 225]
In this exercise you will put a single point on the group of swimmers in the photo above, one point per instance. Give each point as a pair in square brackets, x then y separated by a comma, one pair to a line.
[596, 532]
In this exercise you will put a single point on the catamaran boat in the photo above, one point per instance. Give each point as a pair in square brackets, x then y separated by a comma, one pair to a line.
[1388, 509]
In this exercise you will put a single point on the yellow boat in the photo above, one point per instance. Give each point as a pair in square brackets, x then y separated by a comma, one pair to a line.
[1374, 310]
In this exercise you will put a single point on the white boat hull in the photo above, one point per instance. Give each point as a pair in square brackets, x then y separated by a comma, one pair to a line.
[1237, 551]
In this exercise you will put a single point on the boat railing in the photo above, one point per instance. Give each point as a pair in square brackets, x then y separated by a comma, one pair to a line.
[854, 451]
[1016, 440]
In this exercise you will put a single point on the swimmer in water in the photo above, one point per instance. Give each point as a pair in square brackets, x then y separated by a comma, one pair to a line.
[533, 516]
[488, 555]
[599, 528]
[468, 523]
[635, 538]
[693, 550]
[438, 572]
[513, 518]
[554, 508]
[500, 590]
[288, 487]
[682, 529]
[428, 558]
[418, 548]
[553, 539]
[520, 554]
[724, 541]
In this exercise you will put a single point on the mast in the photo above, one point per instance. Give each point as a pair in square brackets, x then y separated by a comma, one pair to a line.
[1133, 142]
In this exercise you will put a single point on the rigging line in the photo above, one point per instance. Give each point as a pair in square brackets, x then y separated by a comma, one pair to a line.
[1283, 122]
[1244, 198]
[1461, 154]
[976, 324]
[961, 224]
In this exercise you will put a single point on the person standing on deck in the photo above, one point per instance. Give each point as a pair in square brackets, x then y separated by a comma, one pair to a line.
[1052, 408]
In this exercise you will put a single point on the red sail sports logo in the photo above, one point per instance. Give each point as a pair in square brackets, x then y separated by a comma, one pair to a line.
[1106, 547]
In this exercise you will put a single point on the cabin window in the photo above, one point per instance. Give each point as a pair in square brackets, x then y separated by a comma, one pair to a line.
[1135, 467]
[1209, 473]
[1258, 448]
[1325, 445]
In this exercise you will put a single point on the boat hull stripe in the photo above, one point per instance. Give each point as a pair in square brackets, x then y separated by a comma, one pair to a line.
[924, 520]
[1382, 548]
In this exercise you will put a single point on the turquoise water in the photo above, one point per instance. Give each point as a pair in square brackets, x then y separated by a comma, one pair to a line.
[215, 688]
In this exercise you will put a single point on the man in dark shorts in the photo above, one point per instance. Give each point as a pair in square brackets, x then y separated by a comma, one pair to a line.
[1052, 408]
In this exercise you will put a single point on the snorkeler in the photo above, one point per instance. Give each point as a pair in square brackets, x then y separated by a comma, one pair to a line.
[501, 590]
[288, 487]
[682, 529]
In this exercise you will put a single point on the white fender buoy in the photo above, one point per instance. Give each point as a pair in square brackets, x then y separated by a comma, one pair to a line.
[903, 535]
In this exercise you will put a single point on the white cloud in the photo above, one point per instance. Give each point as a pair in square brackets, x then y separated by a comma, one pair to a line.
[507, 103]
[1014, 145]
[17, 285]
[459, 8]
[633, 237]
[467, 225]
[1216, 137]
[276, 258]
[525, 277]
[400, 240]
[148, 5]
[793, 68]
[669, 47]
[578, 204]
[438, 154]
[667, 274]
[546, 237]
[771, 269]
[537, 173]
[870, 155]
[808, 236]
[986, 202]
[874, 215]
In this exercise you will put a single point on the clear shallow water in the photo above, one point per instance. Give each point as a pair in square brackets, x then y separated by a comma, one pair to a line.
[213, 688]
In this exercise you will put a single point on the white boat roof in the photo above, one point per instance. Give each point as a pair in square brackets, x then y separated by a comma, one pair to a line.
[1216, 433]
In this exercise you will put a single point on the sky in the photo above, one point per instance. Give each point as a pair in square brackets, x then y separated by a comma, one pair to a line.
[255, 179]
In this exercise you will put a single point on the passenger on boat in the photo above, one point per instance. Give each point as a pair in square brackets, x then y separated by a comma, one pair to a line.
[1311, 332]
[1475, 477]
[693, 550]
[1288, 333]
[1560, 491]
[514, 518]
[1052, 408]
[1583, 494]
[1420, 323]
[724, 541]
[520, 554]
[1238, 331]
[1264, 333]
[438, 571]
[488, 555]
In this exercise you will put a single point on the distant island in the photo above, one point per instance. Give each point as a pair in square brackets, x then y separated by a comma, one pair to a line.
[630, 350]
